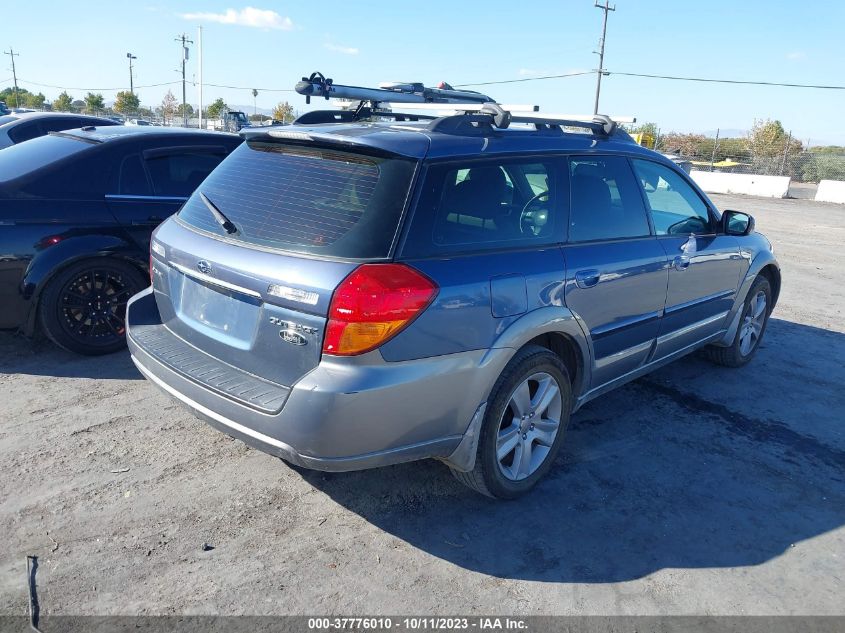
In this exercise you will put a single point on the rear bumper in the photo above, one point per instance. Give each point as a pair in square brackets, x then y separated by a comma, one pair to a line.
[347, 413]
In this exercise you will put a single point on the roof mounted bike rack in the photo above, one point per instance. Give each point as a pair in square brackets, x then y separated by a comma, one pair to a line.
[317, 85]
[457, 111]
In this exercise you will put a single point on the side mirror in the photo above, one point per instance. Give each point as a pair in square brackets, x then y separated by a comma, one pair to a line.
[737, 223]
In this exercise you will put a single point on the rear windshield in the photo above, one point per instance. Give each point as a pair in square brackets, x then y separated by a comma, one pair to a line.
[20, 159]
[305, 199]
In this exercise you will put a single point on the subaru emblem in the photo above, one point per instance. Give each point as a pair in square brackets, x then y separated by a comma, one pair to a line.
[204, 267]
[294, 338]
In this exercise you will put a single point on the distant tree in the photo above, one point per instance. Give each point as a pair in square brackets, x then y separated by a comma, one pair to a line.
[35, 101]
[63, 103]
[217, 108]
[94, 102]
[187, 110]
[9, 96]
[766, 138]
[772, 151]
[684, 144]
[645, 128]
[283, 112]
[168, 106]
[126, 102]
[257, 117]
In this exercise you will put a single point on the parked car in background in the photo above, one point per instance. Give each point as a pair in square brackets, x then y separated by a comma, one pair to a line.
[76, 212]
[17, 128]
[354, 294]
[137, 122]
[3, 108]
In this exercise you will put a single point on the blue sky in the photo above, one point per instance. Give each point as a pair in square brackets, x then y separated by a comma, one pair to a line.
[272, 44]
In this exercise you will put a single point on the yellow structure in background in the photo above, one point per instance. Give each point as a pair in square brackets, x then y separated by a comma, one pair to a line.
[644, 138]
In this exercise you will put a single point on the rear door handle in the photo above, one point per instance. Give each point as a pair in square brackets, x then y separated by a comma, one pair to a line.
[587, 278]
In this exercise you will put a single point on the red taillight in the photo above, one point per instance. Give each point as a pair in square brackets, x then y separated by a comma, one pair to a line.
[372, 305]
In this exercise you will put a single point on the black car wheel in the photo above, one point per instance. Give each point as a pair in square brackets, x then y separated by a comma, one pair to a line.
[84, 308]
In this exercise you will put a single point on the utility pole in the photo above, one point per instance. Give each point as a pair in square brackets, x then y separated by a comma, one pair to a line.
[13, 54]
[185, 41]
[199, 40]
[606, 8]
[131, 80]
[254, 102]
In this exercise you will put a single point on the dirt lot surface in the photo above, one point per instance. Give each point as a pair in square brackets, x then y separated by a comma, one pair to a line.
[695, 490]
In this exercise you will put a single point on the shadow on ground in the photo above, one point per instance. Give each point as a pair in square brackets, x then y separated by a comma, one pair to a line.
[40, 357]
[694, 466]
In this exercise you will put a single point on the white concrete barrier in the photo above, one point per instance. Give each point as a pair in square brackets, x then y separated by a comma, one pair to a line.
[751, 184]
[831, 191]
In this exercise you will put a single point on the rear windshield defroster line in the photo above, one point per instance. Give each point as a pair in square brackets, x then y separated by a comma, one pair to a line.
[309, 200]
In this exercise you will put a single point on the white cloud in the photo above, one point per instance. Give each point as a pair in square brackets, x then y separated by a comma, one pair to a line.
[795, 55]
[346, 50]
[249, 16]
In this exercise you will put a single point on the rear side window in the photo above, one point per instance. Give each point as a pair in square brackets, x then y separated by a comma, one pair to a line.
[131, 179]
[487, 205]
[306, 199]
[606, 200]
[676, 209]
[25, 131]
[179, 174]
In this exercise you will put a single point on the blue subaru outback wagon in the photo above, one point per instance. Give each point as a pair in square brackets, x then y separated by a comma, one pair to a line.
[348, 293]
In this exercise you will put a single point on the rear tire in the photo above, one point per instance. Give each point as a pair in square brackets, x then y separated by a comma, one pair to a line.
[523, 427]
[83, 309]
[752, 327]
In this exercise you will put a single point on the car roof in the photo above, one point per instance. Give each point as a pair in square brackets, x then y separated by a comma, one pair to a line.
[417, 140]
[115, 132]
[22, 117]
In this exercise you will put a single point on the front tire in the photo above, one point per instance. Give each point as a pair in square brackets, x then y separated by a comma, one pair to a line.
[752, 326]
[83, 309]
[523, 428]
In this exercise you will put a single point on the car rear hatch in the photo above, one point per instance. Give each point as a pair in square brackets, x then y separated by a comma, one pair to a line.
[244, 274]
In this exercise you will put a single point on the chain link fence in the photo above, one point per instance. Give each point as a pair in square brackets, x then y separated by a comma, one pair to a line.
[785, 157]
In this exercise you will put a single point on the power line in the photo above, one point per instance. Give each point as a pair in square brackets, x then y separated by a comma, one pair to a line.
[513, 81]
[730, 81]
[246, 88]
[40, 85]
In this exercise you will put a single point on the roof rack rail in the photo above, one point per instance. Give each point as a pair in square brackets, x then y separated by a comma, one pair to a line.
[600, 124]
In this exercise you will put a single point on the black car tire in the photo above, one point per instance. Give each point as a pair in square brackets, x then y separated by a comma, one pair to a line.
[83, 308]
[487, 476]
[733, 355]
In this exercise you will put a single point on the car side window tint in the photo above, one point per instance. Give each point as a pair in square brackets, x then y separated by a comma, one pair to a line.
[60, 124]
[485, 206]
[179, 174]
[676, 209]
[132, 178]
[606, 202]
[25, 131]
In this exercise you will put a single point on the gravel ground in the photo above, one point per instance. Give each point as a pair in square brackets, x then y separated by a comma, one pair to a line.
[695, 490]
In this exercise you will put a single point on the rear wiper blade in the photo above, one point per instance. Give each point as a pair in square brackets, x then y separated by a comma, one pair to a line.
[222, 220]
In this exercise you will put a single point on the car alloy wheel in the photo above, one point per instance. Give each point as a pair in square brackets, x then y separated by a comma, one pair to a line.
[529, 426]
